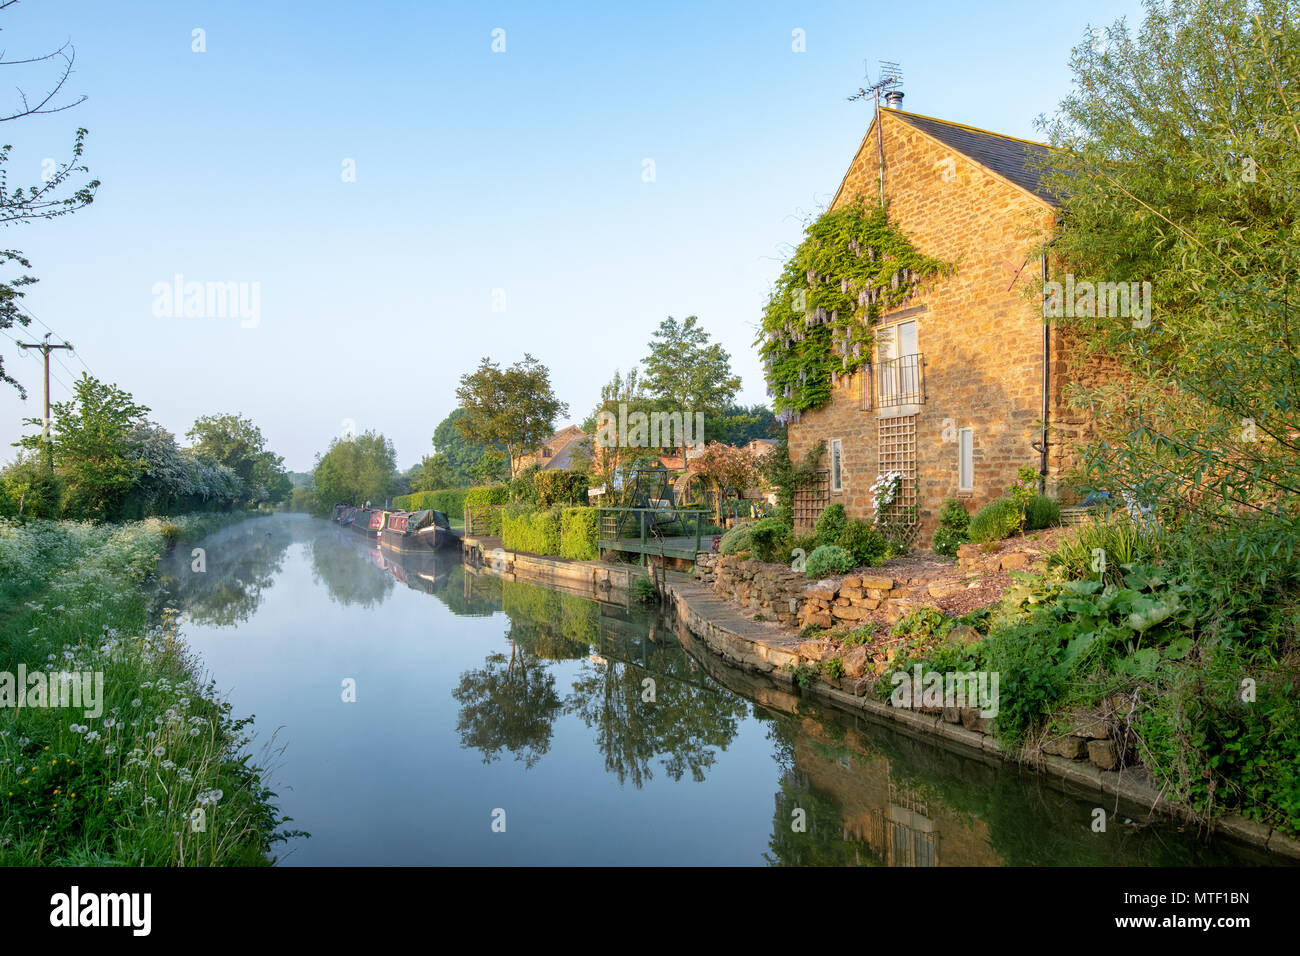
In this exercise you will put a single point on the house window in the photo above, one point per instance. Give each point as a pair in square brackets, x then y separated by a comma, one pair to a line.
[898, 378]
[965, 459]
[837, 456]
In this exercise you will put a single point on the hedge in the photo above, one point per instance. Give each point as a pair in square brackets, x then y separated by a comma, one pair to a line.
[450, 501]
[578, 534]
[489, 495]
[524, 528]
[560, 486]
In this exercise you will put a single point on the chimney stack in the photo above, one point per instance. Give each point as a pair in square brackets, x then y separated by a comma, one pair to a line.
[894, 99]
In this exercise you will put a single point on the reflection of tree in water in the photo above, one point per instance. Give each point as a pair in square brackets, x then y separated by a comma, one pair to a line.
[470, 594]
[690, 719]
[508, 705]
[241, 563]
[350, 575]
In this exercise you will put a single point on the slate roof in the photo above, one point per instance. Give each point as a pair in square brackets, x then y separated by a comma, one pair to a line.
[1005, 155]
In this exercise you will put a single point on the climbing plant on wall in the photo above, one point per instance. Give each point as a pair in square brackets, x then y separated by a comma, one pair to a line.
[852, 266]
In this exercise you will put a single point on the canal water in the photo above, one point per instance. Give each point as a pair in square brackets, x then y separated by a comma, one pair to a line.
[497, 722]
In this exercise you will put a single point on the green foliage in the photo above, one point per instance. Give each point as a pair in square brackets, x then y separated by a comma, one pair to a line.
[355, 469]
[737, 539]
[851, 267]
[830, 523]
[786, 477]
[995, 521]
[1181, 171]
[768, 538]
[805, 672]
[827, 560]
[643, 590]
[454, 456]
[687, 371]
[834, 668]
[1120, 541]
[953, 530]
[108, 796]
[523, 488]
[1023, 489]
[487, 495]
[578, 534]
[862, 634]
[1042, 512]
[560, 486]
[515, 407]
[236, 443]
[863, 542]
[450, 501]
[923, 622]
[524, 528]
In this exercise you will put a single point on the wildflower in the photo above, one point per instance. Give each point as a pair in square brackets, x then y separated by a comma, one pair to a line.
[159, 750]
[135, 702]
[92, 736]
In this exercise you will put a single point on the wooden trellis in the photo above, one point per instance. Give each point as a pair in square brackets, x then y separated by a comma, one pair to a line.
[897, 452]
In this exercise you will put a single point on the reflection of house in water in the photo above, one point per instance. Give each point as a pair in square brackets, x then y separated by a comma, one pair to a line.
[896, 824]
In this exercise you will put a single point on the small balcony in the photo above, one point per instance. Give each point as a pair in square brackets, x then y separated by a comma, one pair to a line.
[893, 382]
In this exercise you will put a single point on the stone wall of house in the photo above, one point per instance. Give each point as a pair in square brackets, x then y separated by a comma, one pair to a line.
[980, 331]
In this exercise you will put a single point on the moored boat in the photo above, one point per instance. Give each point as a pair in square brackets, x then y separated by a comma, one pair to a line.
[426, 530]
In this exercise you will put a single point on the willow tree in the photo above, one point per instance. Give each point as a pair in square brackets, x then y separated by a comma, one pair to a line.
[1179, 165]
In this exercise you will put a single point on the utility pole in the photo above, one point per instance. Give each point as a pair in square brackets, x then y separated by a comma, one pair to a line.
[46, 348]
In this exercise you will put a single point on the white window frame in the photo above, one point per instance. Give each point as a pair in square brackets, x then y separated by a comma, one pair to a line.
[837, 466]
[965, 459]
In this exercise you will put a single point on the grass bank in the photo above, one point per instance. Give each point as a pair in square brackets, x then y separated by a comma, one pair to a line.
[157, 772]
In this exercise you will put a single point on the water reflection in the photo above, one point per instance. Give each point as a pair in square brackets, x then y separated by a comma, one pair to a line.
[571, 711]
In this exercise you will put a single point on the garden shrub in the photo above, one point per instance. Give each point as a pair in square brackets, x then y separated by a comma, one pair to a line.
[1124, 542]
[953, 530]
[1042, 512]
[578, 528]
[830, 523]
[862, 541]
[524, 528]
[995, 521]
[770, 538]
[560, 486]
[828, 559]
[737, 539]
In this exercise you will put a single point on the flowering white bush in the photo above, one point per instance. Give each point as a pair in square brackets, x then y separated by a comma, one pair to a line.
[884, 492]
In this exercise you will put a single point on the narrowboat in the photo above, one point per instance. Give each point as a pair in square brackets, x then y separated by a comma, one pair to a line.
[369, 521]
[418, 531]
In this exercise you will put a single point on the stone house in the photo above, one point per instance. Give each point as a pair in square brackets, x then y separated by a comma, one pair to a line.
[964, 378]
[555, 453]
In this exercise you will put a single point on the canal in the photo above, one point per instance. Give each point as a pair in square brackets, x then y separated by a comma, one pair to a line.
[421, 712]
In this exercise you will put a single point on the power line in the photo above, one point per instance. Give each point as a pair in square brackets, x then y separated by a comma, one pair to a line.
[46, 324]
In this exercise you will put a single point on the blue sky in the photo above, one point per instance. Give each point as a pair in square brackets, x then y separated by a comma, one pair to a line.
[475, 171]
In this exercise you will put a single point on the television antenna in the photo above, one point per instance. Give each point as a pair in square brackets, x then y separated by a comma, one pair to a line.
[891, 78]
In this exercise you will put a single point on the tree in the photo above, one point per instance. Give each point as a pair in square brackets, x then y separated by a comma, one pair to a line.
[48, 200]
[234, 441]
[687, 371]
[1178, 165]
[94, 445]
[454, 455]
[354, 470]
[515, 408]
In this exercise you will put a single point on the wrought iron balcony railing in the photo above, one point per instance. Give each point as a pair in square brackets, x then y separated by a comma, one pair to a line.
[899, 381]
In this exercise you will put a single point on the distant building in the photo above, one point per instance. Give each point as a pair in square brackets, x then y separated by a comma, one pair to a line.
[556, 453]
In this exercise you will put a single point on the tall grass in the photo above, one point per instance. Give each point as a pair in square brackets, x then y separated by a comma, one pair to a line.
[161, 776]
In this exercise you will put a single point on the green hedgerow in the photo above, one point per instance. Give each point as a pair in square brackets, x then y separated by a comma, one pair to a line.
[737, 539]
